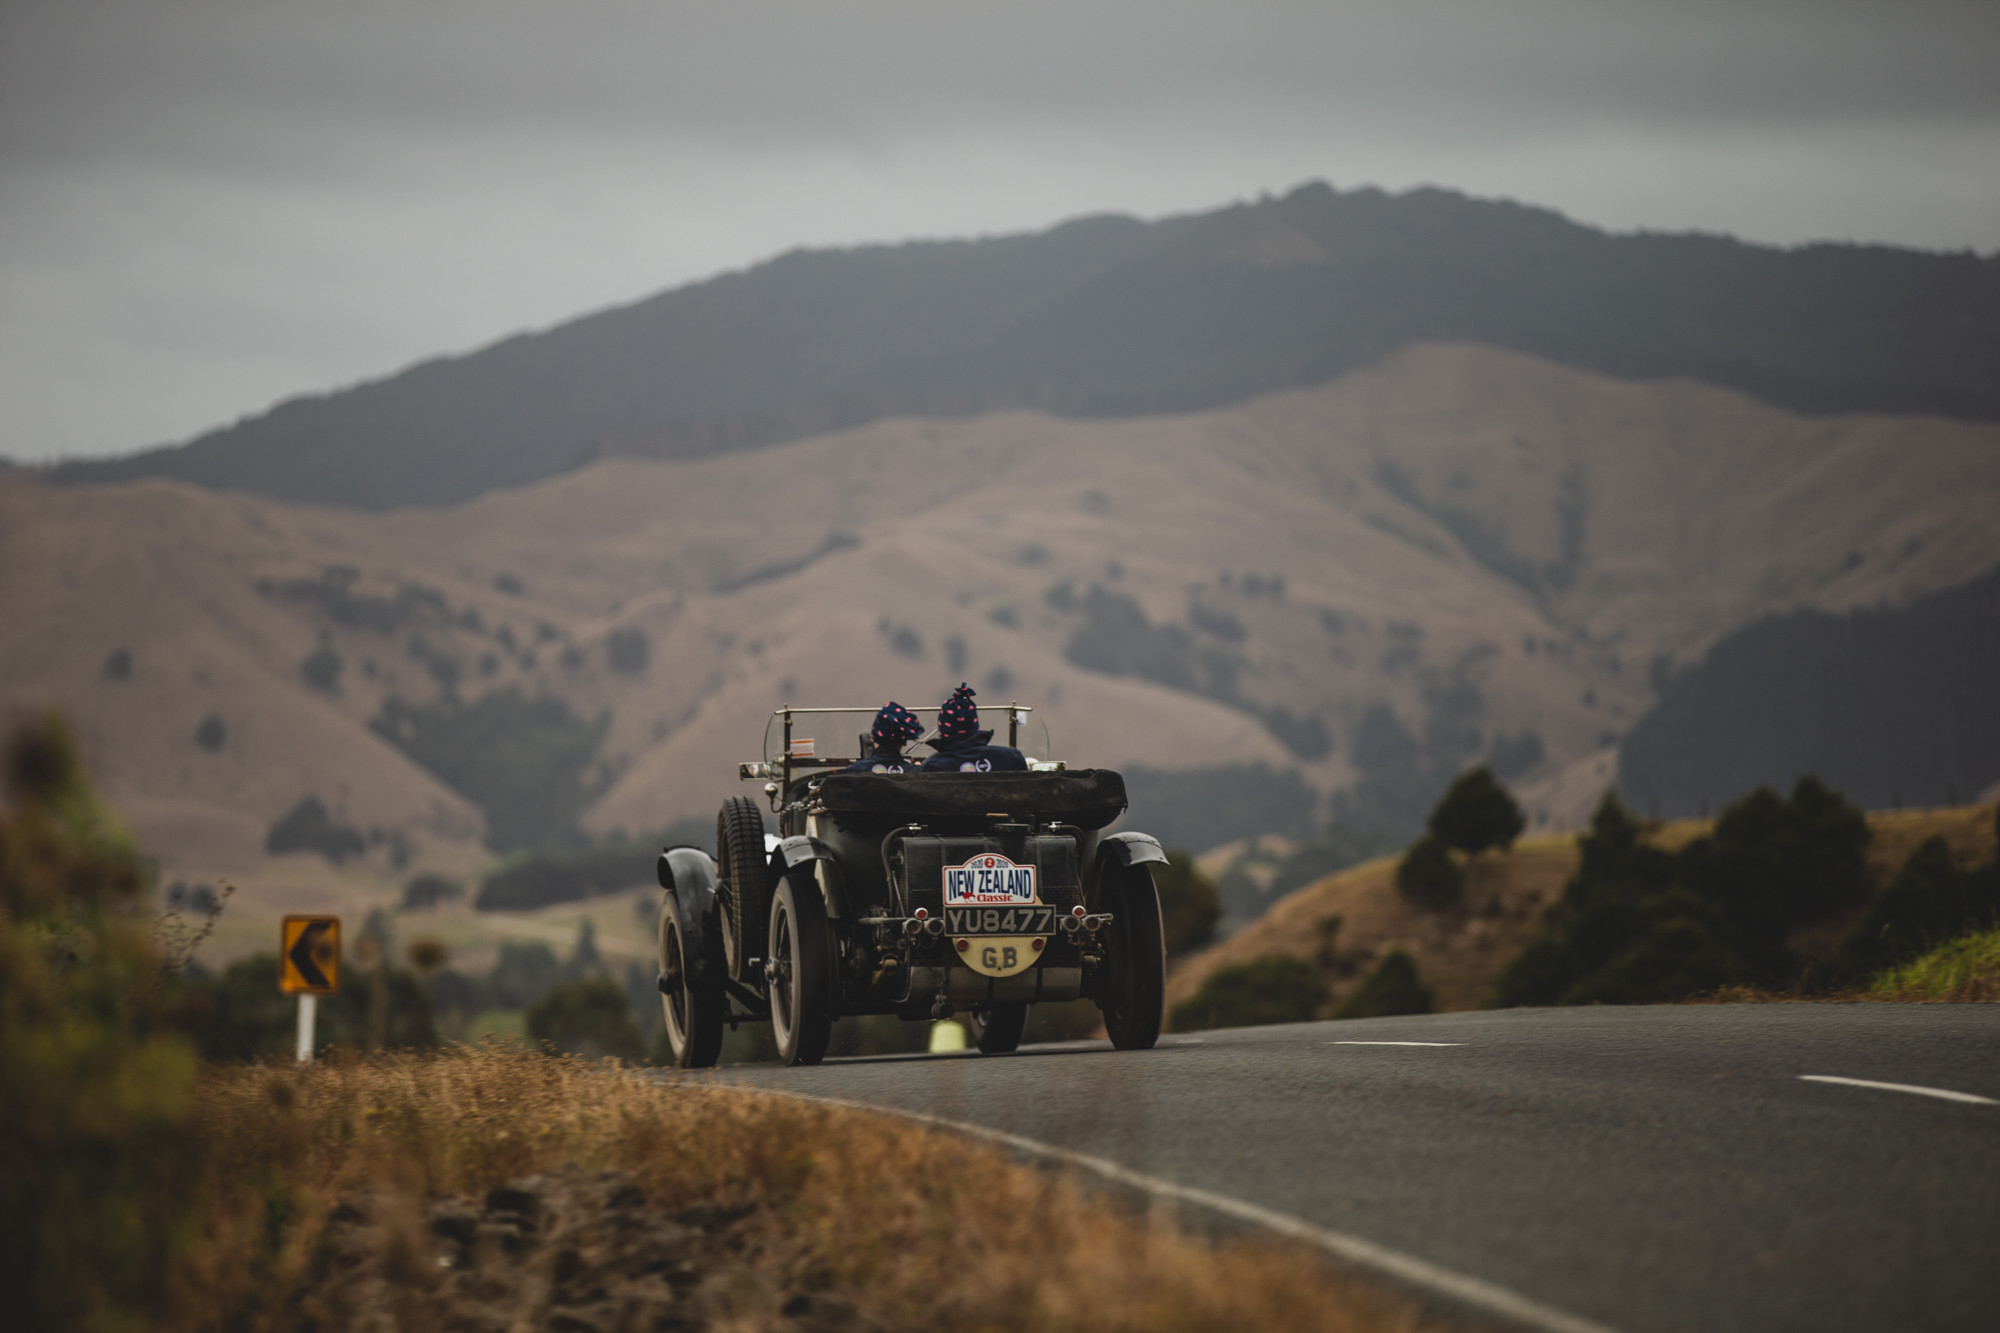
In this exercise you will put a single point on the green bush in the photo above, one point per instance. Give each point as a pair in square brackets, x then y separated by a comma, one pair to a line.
[1428, 876]
[241, 1015]
[1274, 989]
[98, 1155]
[590, 1017]
[1190, 904]
[1476, 813]
[1392, 988]
[307, 827]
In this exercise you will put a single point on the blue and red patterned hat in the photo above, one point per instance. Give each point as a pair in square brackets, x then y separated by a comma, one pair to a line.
[960, 716]
[895, 726]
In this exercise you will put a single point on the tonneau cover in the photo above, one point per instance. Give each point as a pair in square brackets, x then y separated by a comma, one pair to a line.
[1089, 798]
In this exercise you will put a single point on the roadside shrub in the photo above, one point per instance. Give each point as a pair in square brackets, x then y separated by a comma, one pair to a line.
[591, 1017]
[1190, 903]
[1274, 989]
[1428, 876]
[97, 1151]
[1392, 988]
[307, 827]
[1476, 813]
[241, 1015]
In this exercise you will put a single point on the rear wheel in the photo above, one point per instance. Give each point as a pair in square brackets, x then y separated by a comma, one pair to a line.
[1134, 993]
[691, 998]
[743, 876]
[997, 1031]
[801, 972]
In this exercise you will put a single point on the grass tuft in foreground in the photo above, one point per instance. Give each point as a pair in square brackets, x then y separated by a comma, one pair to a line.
[1967, 969]
[909, 1227]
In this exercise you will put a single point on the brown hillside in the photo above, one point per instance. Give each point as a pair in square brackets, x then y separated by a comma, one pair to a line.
[1460, 954]
[1454, 517]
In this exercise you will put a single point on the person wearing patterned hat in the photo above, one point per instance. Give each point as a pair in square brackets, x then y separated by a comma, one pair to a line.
[895, 726]
[961, 747]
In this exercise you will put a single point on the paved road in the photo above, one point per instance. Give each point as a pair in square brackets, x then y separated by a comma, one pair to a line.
[1647, 1168]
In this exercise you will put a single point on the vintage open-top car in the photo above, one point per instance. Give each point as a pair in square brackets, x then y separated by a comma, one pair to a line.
[915, 894]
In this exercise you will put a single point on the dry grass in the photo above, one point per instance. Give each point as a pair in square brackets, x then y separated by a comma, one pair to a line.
[917, 1228]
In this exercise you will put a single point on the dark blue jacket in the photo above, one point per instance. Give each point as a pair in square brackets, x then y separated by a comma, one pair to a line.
[883, 761]
[974, 754]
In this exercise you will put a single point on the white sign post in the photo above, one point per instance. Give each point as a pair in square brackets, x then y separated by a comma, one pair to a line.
[308, 1010]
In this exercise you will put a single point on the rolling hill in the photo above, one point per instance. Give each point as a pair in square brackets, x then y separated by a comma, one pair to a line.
[1456, 553]
[1114, 317]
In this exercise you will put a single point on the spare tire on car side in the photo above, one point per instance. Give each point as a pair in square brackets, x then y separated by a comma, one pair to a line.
[745, 876]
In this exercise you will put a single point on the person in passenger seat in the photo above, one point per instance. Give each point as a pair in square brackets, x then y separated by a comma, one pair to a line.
[895, 726]
[961, 747]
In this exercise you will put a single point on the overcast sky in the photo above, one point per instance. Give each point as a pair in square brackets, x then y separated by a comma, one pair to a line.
[206, 207]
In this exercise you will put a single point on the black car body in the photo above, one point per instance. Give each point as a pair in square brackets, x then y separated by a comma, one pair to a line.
[918, 894]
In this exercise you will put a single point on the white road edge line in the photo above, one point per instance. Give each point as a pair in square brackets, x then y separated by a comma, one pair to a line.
[1395, 1043]
[1421, 1273]
[1943, 1094]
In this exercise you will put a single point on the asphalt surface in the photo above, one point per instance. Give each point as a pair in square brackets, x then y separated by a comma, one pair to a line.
[1646, 1168]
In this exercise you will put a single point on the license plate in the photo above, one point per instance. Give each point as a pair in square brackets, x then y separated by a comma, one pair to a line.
[1038, 919]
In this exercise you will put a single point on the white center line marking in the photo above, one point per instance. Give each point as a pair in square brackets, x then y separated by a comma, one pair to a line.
[1395, 1043]
[1943, 1094]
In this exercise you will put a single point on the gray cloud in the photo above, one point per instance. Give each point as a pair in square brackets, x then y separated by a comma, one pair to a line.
[209, 204]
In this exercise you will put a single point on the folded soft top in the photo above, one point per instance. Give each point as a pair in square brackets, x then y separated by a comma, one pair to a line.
[1089, 798]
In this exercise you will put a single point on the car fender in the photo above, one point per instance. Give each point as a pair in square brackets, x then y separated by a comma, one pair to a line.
[688, 876]
[802, 851]
[1121, 851]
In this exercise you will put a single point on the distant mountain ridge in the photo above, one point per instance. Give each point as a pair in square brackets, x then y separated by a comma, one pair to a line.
[1110, 317]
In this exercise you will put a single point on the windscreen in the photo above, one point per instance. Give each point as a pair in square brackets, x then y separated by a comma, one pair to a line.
[835, 733]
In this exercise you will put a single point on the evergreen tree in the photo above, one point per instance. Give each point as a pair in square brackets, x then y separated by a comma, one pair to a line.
[1190, 903]
[1476, 813]
[1428, 876]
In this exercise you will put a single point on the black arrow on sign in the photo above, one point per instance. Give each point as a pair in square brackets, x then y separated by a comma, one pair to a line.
[302, 954]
